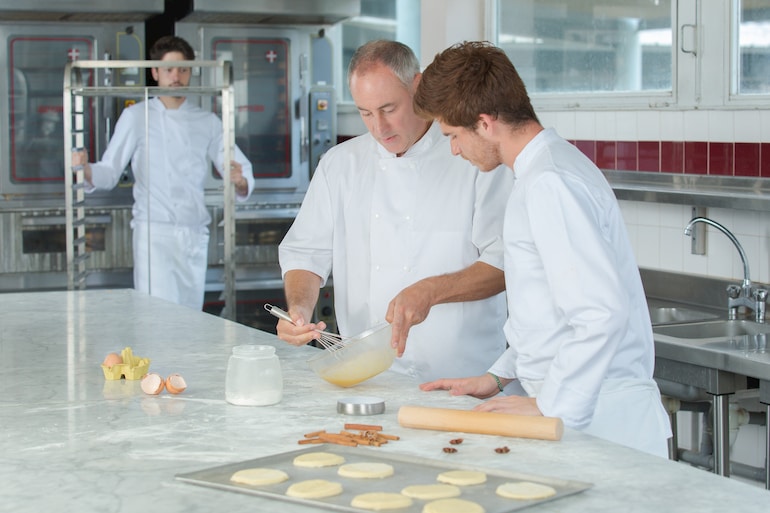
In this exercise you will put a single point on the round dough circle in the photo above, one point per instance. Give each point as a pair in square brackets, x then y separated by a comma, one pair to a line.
[524, 490]
[259, 476]
[314, 489]
[318, 459]
[431, 491]
[462, 477]
[452, 506]
[366, 470]
[379, 501]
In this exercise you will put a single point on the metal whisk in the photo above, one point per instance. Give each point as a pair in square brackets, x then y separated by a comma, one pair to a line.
[328, 340]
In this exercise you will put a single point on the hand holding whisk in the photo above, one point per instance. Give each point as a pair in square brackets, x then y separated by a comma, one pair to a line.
[328, 340]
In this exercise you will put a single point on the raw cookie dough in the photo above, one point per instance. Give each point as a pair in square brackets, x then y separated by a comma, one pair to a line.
[259, 476]
[314, 489]
[379, 501]
[366, 470]
[452, 506]
[524, 490]
[462, 477]
[431, 491]
[318, 459]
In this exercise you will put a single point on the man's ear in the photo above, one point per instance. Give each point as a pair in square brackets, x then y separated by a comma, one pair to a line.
[415, 83]
[485, 122]
[154, 72]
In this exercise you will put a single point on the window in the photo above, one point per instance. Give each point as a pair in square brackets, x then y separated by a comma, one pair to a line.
[397, 20]
[639, 53]
[588, 46]
[753, 56]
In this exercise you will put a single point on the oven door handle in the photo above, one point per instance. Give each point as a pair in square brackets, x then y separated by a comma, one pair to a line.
[61, 220]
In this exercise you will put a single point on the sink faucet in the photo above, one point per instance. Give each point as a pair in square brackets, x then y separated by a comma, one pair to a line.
[745, 295]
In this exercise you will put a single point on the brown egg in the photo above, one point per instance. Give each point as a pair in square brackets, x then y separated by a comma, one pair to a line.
[175, 384]
[152, 383]
[112, 359]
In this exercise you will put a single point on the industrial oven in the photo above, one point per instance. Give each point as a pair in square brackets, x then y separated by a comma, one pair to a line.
[285, 119]
[39, 38]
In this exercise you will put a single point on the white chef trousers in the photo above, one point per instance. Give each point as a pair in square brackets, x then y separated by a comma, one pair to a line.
[170, 262]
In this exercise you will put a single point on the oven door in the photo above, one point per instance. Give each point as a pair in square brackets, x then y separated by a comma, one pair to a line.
[33, 253]
[31, 137]
[270, 67]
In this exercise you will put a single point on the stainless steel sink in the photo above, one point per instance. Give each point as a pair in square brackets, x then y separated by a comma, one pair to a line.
[718, 329]
[671, 313]
[674, 315]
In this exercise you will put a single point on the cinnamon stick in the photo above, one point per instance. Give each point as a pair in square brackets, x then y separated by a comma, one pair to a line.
[363, 427]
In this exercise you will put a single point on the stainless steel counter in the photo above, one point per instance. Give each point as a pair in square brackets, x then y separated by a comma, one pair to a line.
[707, 368]
[72, 441]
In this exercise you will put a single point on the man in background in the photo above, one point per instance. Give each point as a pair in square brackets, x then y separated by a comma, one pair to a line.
[170, 219]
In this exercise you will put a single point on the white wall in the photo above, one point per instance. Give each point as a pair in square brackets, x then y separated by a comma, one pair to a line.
[446, 22]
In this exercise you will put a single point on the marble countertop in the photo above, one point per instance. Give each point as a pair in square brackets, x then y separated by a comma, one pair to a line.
[72, 441]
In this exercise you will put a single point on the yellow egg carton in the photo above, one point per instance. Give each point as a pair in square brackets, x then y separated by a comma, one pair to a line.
[133, 367]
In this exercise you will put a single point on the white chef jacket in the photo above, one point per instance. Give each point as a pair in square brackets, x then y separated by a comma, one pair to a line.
[169, 202]
[380, 223]
[578, 325]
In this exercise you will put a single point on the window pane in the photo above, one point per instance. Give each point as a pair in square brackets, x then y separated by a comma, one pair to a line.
[754, 47]
[568, 46]
[396, 20]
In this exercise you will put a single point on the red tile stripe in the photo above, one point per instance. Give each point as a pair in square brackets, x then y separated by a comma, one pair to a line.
[690, 157]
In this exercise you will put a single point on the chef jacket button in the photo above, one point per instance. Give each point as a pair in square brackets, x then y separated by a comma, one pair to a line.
[406, 268]
[376, 216]
[376, 267]
[408, 218]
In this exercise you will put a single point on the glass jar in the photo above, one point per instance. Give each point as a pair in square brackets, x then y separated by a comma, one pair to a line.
[254, 376]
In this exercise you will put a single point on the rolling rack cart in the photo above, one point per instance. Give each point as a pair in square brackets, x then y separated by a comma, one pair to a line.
[75, 92]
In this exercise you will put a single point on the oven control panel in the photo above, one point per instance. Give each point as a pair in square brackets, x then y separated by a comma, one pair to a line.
[323, 116]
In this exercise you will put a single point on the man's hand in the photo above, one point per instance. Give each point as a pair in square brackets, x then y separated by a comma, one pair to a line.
[512, 404]
[299, 333]
[411, 306]
[236, 178]
[80, 158]
[480, 387]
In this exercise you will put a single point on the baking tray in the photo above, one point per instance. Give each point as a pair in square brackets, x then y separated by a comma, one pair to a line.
[409, 470]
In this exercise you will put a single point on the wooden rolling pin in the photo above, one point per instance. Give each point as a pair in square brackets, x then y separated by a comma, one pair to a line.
[486, 423]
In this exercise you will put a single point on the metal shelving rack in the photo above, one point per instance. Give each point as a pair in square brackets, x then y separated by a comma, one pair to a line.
[75, 92]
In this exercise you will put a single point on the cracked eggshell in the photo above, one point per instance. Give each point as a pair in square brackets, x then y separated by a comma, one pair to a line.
[175, 384]
[152, 383]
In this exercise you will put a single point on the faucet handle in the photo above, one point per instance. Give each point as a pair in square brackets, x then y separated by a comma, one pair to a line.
[733, 291]
[760, 295]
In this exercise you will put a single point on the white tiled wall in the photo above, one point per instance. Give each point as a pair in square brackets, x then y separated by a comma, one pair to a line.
[652, 125]
[657, 235]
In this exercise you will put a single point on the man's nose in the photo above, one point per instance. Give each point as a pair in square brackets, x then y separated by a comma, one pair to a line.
[454, 147]
[381, 123]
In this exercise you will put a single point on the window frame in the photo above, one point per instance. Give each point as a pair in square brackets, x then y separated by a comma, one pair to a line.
[709, 24]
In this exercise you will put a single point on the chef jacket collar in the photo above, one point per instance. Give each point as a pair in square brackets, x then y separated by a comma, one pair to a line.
[155, 103]
[521, 163]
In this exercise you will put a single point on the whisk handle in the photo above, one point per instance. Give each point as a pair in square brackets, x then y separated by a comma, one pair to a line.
[274, 310]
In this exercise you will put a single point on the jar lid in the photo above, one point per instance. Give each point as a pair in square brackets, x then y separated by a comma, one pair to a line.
[253, 351]
[360, 405]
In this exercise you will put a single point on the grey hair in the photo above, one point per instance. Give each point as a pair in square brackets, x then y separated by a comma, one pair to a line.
[398, 57]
